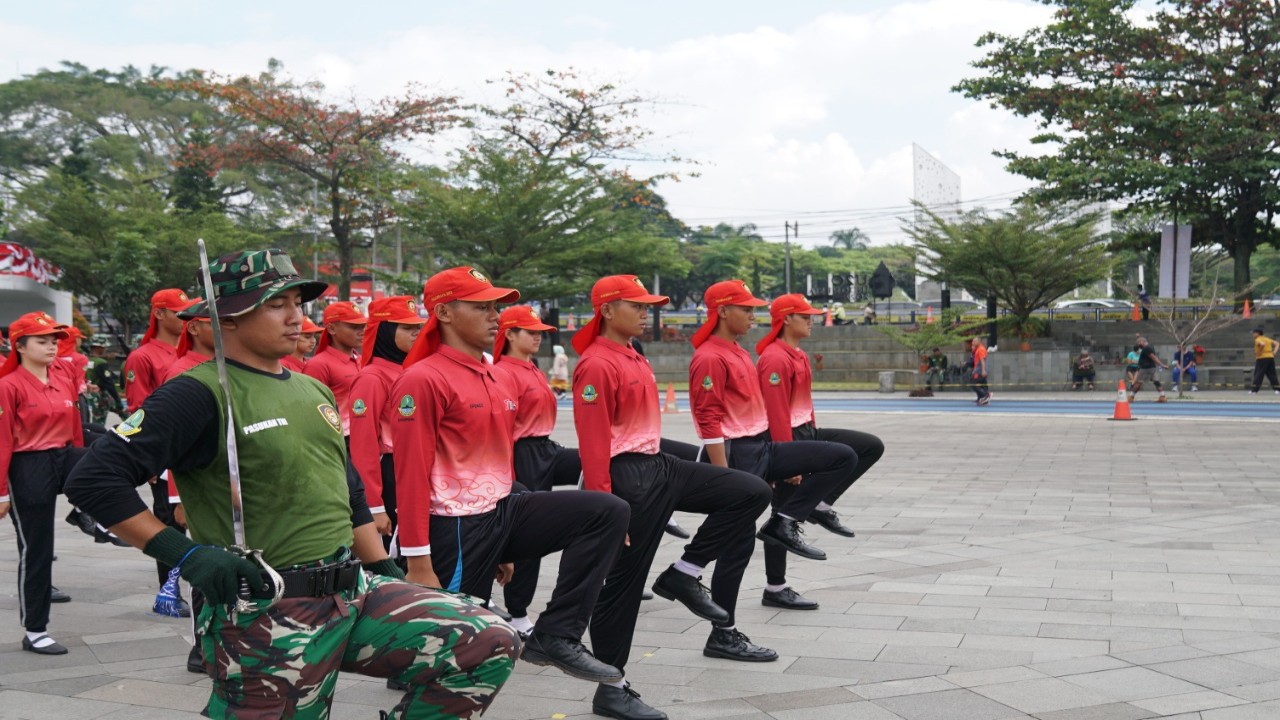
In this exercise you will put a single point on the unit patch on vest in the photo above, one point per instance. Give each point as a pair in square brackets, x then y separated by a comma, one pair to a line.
[407, 407]
[774, 379]
[706, 383]
[131, 426]
[589, 394]
[358, 407]
[331, 416]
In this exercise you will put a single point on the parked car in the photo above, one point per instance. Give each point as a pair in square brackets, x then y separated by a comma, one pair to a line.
[1091, 304]
[961, 305]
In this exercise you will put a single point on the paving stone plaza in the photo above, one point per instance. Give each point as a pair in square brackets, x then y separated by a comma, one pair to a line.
[1006, 566]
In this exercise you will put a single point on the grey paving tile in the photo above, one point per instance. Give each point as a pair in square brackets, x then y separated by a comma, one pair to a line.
[1041, 695]
[848, 711]
[948, 705]
[1218, 672]
[1132, 683]
[1258, 711]
[1190, 702]
[824, 697]
[1109, 711]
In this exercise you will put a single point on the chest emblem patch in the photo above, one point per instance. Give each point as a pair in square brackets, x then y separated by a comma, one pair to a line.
[331, 416]
[407, 406]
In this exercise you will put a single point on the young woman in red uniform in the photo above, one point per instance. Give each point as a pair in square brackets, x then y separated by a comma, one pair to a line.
[540, 462]
[393, 326]
[615, 411]
[730, 417]
[41, 438]
[307, 341]
[787, 382]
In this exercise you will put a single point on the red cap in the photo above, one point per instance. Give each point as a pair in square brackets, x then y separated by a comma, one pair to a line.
[67, 345]
[167, 299]
[400, 309]
[341, 311]
[310, 328]
[33, 323]
[516, 316]
[184, 342]
[460, 283]
[782, 306]
[728, 292]
[608, 289]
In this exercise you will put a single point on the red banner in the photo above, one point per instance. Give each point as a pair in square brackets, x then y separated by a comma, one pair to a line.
[16, 259]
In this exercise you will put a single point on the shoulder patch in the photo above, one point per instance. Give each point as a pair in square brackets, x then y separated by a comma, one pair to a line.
[706, 383]
[407, 407]
[129, 377]
[589, 394]
[132, 425]
[358, 407]
[774, 379]
[331, 416]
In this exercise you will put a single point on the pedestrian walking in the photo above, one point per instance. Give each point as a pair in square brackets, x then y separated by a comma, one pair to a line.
[1264, 361]
[979, 371]
[1149, 366]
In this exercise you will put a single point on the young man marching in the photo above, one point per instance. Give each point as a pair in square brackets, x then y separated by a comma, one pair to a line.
[615, 410]
[787, 382]
[335, 363]
[303, 510]
[459, 521]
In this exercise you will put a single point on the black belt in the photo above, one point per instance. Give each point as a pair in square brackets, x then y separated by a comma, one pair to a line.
[321, 580]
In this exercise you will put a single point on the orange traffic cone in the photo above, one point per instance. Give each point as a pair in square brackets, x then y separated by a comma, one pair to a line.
[1248, 309]
[928, 315]
[570, 325]
[827, 321]
[1122, 404]
[1137, 311]
[669, 407]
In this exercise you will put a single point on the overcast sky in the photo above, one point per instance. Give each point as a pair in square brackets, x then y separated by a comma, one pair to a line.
[802, 111]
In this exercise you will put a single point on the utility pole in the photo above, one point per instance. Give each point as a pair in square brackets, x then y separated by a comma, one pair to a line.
[315, 231]
[789, 231]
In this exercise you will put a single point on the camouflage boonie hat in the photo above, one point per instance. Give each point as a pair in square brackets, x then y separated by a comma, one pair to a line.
[244, 280]
[98, 341]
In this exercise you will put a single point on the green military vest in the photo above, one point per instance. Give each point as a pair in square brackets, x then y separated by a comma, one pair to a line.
[293, 459]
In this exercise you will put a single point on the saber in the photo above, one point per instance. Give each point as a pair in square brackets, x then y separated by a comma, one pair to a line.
[244, 601]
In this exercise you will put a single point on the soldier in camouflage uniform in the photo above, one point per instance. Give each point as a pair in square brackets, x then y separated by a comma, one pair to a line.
[106, 398]
[304, 509]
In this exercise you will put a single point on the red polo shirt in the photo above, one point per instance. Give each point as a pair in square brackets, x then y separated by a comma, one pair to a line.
[535, 403]
[452, 429]
[185, 363]
[145, 370]
[787, 383]
[337, 370]
[615, 409]
[36, 415]
[725, 393]
[371, 416]
[294, 364]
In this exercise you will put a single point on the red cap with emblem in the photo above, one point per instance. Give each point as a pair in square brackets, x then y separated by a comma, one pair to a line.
[399, 309]
[33, 323]
[341, 311]
[516, 316]
[460, 283]
[728, 292]
[779, 309]
[607, 289]
[167, 299]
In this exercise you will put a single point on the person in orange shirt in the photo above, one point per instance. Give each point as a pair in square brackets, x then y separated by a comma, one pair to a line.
[336, 360]
[786, 379]
[41, 439]
[980, 372]
[307, 342]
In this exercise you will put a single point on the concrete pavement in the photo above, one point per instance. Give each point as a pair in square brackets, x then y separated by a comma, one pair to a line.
[1006, 566]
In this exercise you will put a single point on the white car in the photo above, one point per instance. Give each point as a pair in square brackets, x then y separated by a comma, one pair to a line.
[1092, 304]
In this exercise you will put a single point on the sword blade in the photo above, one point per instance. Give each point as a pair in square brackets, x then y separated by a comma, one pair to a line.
[220, 360]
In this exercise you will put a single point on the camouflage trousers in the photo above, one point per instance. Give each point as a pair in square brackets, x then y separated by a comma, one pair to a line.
[283, 662]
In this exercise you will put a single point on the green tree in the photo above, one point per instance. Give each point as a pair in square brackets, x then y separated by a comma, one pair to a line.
[1026, 258]
[1175, 112]
[850, 239]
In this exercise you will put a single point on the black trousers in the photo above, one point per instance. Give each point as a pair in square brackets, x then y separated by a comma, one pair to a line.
[1264, 367]
[825, 467]
[867, 447]
[654, 486]
[387, 466]
[979, 385]
[35, 480]
[540, 464]
[587, 528]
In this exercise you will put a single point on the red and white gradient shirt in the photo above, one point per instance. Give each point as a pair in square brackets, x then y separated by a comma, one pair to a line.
[337, 370]
[371, 417]
[36, 415]
[615, 409]
[453, 420]
[787, 383]
[725, 393]
[535, 403]
[145, 370]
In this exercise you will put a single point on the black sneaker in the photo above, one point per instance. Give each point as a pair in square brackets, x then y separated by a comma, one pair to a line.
[733, 645]
[570, 655]
[673, 528]
[496, 609]
[82, 521]
[787, 599]
[675, 585]
[393, 684]
[788, 533]
[57, 596]
[624, 704]
[830, 520]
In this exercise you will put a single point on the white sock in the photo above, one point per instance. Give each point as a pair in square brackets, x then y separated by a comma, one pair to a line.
[725, 628]
[788, 517]
[687, 568]
[823, 506]
[522, 624]
[671, 521]
[621, 684]
[43, 641]
[776, 588]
